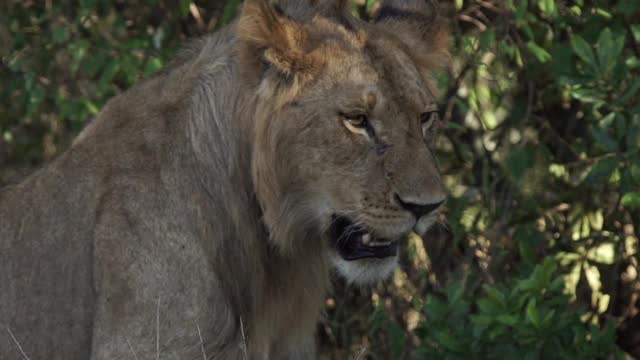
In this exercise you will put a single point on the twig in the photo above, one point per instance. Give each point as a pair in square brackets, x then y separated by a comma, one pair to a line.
[481, 16]
[135, 356]
[453, 90]
[18, 344]
[195, 12]
[474, 21]
[490, 5]
[360, 354]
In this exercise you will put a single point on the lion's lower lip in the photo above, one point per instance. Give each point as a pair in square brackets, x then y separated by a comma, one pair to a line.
[355, 242]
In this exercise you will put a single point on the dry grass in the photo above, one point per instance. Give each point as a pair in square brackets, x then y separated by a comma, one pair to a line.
[18, 344]
[135, 356]
[204, 354]
[244, 340]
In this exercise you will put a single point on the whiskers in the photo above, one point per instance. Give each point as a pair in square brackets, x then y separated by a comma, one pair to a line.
[356, 224]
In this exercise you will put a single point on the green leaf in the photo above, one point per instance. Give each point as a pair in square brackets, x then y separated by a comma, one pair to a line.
[397, 339]
[436, 309]
[91, 107]
[489, 306]
[519, 161]
[455, 291]
[482, 319]
[510, 320]
[528, 238]
[606, 121]
[496, 296]
[631, 91]
[603, 253]
[588, 95]
[632, 137]
[184, 7]
[377, 319]
[618, 46]
[603, 48]
[541, 54]
[36, 97]
[78, 51]
[521, 10]
[631, 200]
[583, 50]
[87, 4]
[548, 7]
[627, 7]
[229, 12]
[370, 4]
[609, 49]
[110, 71]
[635, 172]
[604, 13]
[604, 140]
[454, 126]
[487, 39]
[448, 341]
[154, 64]
[532, 313]
[548, 317]
[60, 35]
[602, 169]
[563, 61]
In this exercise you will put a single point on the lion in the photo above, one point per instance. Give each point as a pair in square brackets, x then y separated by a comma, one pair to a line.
[204, 211]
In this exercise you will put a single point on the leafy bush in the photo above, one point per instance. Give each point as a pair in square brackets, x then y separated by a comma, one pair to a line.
[539, 256]
[531, 318]
[63, 60]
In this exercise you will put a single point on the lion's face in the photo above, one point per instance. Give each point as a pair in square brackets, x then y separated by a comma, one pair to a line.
[343, 149]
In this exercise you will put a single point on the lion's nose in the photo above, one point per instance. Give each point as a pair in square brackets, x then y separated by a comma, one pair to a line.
[418, 210]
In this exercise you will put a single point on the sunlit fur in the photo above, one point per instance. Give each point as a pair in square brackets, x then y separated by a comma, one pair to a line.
[192, 213]
[365, 271]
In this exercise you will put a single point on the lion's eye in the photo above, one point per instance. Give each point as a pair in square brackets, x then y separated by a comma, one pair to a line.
[357, 120]
[357, 123]
[427, 121]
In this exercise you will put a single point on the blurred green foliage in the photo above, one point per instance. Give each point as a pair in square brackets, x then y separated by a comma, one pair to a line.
[531, 318]
[538, 256]
[62, 60]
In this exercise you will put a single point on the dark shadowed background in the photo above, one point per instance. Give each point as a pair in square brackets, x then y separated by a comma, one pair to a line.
[538, 255]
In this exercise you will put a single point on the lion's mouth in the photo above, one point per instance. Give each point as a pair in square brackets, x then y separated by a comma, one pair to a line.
[354, 241]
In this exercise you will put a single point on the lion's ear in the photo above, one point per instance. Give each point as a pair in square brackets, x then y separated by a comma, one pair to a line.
[420, 26]
[268, 36]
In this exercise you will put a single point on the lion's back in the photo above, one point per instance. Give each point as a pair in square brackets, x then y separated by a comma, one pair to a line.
[46, 291]
[48, 222]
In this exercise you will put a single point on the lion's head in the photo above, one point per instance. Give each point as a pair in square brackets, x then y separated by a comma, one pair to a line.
[345, 119]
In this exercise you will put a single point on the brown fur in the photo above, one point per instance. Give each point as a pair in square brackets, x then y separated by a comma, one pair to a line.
[193, 211]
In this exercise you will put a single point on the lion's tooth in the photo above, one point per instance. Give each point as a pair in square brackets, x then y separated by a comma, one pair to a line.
[366, 238]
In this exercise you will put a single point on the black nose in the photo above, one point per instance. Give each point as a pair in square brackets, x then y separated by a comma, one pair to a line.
[418, 210]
